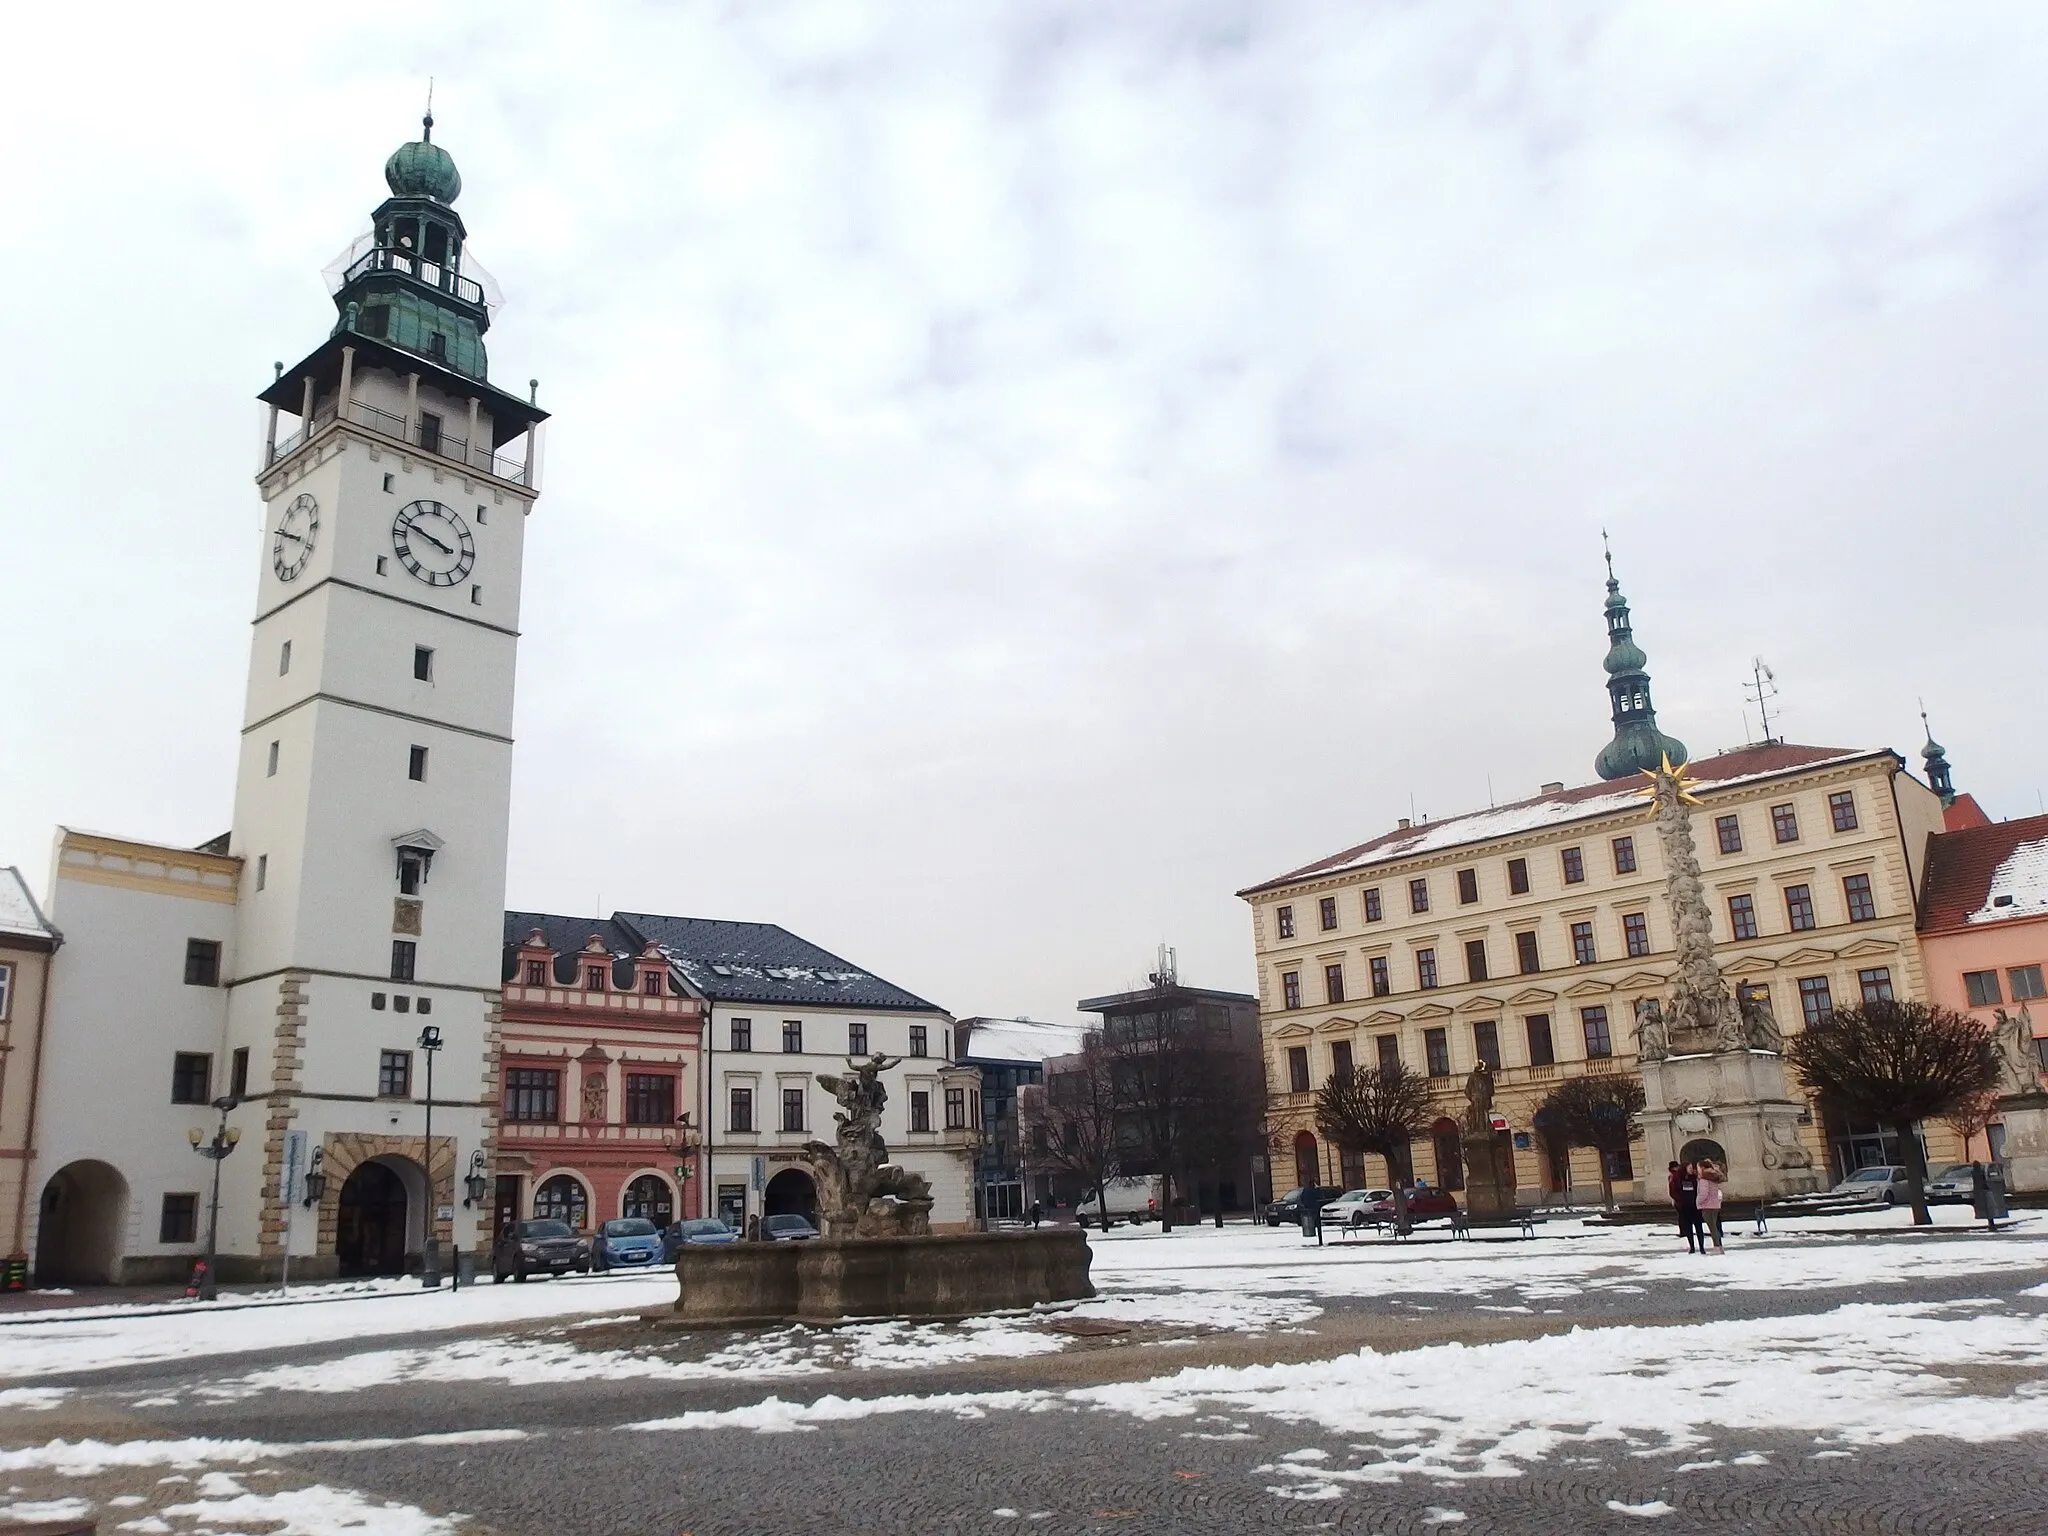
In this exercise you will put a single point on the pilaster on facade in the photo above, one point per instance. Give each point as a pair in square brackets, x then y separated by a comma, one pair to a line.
[287, 1064]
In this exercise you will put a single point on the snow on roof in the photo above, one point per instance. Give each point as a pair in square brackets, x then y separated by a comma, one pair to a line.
[18, 910]
[2019, 886]
[1021, 1039]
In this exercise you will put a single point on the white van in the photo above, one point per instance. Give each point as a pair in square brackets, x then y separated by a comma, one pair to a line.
[1131, 1200]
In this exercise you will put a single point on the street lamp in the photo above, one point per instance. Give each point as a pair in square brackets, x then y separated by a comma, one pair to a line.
[215, 1151]
[430, 1256]
[688, 1140]
[476, 1181]
[316, 1179]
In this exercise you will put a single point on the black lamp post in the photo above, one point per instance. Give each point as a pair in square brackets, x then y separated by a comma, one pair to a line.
[215, 1151]
[684, 1149]
[430, 1255]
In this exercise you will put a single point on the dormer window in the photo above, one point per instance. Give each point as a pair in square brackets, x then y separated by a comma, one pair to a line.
[593, 978]
[536, 973]
[650, 983]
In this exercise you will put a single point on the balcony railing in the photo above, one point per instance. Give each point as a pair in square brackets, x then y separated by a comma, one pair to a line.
[416, 435]
[385, 258]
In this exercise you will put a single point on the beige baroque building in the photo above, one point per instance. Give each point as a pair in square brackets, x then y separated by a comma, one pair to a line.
[27, 945]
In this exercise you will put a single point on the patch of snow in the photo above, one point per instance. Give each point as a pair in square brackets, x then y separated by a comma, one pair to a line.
[1436, 1514]
[315, 1511]
[773, 1416]
[2019, 886]
[149, 1525]
[1648, 1511]
[89, 1458]
[33, 1399]
[47, 1509]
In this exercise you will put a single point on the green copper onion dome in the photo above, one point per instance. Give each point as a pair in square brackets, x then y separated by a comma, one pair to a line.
[423, 168]
[1638, 745]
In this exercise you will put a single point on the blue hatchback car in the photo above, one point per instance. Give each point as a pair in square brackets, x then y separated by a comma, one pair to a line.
[632, 1242]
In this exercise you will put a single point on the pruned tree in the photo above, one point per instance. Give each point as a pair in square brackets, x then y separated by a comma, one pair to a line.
[1074, 1127]
[1896, 1063]
[1970, 1116]
[1597, 1111]
[1381, 1111]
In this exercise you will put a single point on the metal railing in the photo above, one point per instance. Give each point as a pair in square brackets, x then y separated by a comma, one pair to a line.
[434, 274]
[436, 442]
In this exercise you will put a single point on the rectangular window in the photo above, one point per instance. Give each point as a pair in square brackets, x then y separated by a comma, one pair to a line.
[1290, 989]
[1875, 984]
[179, 1221]
[284, 658]
[1475, 959]
[270, 768]
[1856, 896]
[1425, 968]
[1598, 1042]
[1635, 932]
[793, 1037]
[394, 1074]
[404, 957]
[1842, 810]
[650, 983]
[262, 870]
[6, 989]
[594, 977]
[536, 973]
[739, 1115]
[956, 1109]
[917, 1040]
[1468, 886]
[1486, 1042]
[1728, 832]
[1574, 861]
[1382, 980]
[1983, 988]
[1390, 1051]
[1436, 1052]
[1624, 855]
[533, 1095]
[1284, 918]
[382, 568]
[1526, 955]
[238, 1073]
[856, 1039]
[1816, 1003]
[423, 663]
[792, 1109]
[742, 1033]
[1542, 1052]
[476, 595]
[650, 1098]
[191, 1078]
[1373, 910]
[1583, 952]
[416, 765]
[920, 1110]
[202, 963]
[1333, 983]
[1784, 824]
[1418, 895]
[1799, 907]
[1742, 917]
[402, 1003]
[1326, 911]
[1518, 877]
[1340, 1058]
[1297, 1069]
[2025, 981]
[430, 424]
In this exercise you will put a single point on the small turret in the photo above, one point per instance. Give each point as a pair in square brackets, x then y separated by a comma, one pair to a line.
[1934, 757]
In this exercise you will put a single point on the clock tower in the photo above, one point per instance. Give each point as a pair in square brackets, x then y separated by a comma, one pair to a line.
[374, 779]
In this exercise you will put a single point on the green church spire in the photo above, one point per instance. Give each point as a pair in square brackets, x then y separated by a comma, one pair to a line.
[1935, 758]
[1638, 746]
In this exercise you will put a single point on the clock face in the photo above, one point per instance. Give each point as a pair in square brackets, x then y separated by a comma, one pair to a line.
[433, 543]
[291, 543]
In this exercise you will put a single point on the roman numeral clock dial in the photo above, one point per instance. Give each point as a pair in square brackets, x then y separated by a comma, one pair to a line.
[291, 542]
[433, 543]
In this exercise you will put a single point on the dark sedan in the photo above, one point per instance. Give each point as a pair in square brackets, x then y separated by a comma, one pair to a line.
[1421, 1203]
[1288, 1207]
[786, 1229]
[538, 1248]
[697, 1232]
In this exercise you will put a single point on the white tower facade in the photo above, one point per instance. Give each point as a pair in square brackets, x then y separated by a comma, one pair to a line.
[374, 780]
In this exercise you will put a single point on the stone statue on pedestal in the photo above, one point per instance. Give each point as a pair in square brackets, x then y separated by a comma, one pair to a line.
[1479, 1099]
[1703, 1016]
[1759, 1025]
[860, 1192]
[1653, 1040]
[2018, 1058]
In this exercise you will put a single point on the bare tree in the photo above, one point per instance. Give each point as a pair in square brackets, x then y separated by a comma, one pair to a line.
[1380, 1111]
[1224, 1099]
[1596, 1111]
[1896, 1063]
[1157, 1062]
[1969, 1117]
[1074, 1128]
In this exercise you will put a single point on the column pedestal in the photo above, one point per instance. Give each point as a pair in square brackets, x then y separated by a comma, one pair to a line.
[1738, 1100]
[2026, 1141]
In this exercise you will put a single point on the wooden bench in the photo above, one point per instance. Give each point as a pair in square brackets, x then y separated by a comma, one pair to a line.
[1462, 1223]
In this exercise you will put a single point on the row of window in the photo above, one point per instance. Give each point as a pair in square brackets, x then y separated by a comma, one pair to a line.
[1983, 989]
[422, 671]
[533, 1095]
[740, 1037]
[1857, 898]
[597, 977]
[1571, 865]
[1816, 1002]
[740, 1109]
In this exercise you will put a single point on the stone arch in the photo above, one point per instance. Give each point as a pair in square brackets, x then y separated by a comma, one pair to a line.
[791, 1192]
[83, 1213]
[652, 1195]
[380, 1216]
[563, 1195]
[342, 1152]
[1307, 1168]
[1703, 1146]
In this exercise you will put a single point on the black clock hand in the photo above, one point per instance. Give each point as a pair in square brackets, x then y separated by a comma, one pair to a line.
[445, 549]
[292, 536]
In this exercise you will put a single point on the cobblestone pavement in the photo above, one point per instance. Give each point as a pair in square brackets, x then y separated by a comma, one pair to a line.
[1059, 1469]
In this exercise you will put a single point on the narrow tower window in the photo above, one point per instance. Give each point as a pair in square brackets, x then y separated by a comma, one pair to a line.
[270, 772]
[423, 663]
[262, 870]
[284, 658]
[416, 767]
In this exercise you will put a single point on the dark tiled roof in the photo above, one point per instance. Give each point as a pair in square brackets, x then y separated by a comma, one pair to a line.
[1960, 866]
[1582, 801]
[761, 963]
[567, 936]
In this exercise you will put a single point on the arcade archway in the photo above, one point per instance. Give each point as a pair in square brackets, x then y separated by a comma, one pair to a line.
[83, 1213]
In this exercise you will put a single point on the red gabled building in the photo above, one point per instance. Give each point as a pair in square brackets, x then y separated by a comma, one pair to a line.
[597, 1062]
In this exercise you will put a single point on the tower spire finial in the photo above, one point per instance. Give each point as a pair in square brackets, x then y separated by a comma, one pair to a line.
[1638, 746]
[1934, 757]
[1607, 550]
[427, 120]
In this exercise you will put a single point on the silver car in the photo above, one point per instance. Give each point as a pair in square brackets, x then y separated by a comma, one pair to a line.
[1954, 1185]
[1882, 1184]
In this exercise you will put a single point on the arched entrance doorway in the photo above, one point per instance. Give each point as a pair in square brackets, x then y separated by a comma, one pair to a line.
[1450, 1154]
[78, 1238]
[1305, 1169]
[649, 1196]
[562, 1198]
[1700, 1147]
[372, 1229]
[791, 1193]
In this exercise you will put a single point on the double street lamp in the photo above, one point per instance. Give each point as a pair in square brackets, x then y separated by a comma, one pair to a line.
[215, 1151]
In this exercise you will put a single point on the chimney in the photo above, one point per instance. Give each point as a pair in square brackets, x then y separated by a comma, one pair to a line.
[1555, 787]
[1402, 824]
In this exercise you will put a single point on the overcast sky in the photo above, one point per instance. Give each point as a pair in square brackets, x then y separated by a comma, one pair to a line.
[1020, 473]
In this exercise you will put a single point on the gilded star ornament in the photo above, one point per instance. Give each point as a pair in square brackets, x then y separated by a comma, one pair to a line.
[1681, 783]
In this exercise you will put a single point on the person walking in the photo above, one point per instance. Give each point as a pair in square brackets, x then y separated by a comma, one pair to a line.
[1687, 1197]
[1708, 1199]
[1037, 1214]
[1671, 1173]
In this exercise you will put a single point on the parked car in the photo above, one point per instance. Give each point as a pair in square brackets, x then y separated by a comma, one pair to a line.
[1288, 1207]
[1128, 1200]
[1884, 1183]
[1954, 1185]
[1353, 1208]
[628, 1243]
[538, 1248]
[786, 1229]
[694, 1233]
[1424, 1200]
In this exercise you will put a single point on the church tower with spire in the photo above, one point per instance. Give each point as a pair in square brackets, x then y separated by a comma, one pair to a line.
[1638, 745]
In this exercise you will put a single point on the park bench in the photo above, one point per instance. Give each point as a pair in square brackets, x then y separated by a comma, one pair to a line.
[1462, 1223]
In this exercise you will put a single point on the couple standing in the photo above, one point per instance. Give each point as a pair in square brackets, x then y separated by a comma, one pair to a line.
[1696, 1191]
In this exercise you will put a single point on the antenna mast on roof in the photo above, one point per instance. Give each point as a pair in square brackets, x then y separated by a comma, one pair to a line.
[1760, 690]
